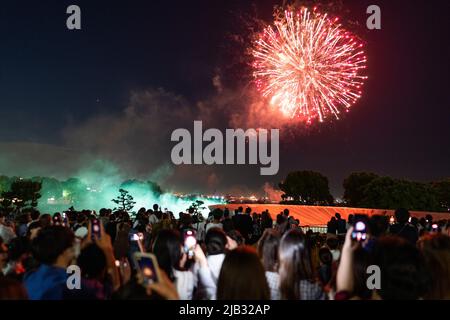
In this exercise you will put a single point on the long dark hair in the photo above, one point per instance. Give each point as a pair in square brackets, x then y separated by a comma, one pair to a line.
[403, 272]
[360, 264]
[435, 249]
[295, 264]
[242, 276]
[268, 249]
[167, 249]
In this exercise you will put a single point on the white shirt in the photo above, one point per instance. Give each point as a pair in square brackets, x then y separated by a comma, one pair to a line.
[153, 219]
[273, 280]
[185, 283]
[6, 233]
[209, 275]
[213, 225]
[200, 228]
[215, 264]
[336, 254]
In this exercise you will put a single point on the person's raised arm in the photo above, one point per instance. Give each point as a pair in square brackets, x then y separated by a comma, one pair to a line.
[165, 288]
[204, 273]
[200, 257]
[344, 279]
[104, 243]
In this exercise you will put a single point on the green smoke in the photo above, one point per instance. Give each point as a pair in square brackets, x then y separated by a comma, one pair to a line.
[95, 185]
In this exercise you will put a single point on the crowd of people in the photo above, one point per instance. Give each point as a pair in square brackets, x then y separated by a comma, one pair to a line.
[238, 255]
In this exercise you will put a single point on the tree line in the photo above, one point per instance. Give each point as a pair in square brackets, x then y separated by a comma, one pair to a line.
[367, 190]
[17, 193]
[361, 190]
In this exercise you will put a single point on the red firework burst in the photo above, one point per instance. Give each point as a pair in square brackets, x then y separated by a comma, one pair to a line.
[309, 66]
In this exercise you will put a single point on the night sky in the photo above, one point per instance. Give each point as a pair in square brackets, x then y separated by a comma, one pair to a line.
[111, 94]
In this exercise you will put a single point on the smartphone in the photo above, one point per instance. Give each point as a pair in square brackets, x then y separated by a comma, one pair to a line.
[95, 228]
[64, 217]
[120, 263]
[137, 236]
[134, 237]
[434, 227]
[57, 220]
[391, 220]
[147, 266]
[190, 241]
[360, 228]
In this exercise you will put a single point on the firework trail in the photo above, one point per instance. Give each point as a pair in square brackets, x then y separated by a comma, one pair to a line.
[308, 66]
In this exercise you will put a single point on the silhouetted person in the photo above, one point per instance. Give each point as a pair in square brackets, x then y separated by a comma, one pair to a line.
[332, 226]
[402, 228]
[227, 223]
[350, 221]
[341, 224]
[282, 224]
[429, 222]
[266, 220]
[243, 223]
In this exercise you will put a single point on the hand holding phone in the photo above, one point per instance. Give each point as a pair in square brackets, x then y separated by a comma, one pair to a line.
[56, 220]
[95, 229]
[360, 228]
[147, 267]
[190, 241]
[65, 220]
[139, 238]
[124, 270]
[434, 227]
[97, 234]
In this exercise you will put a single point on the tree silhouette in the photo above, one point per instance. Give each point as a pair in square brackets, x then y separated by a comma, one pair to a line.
[442, 190]
[367, 190]
[306, 187]
[196, 206]
[124, 201]
[389, 193]
[22, 193]
[5, 183]
[355, 185]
